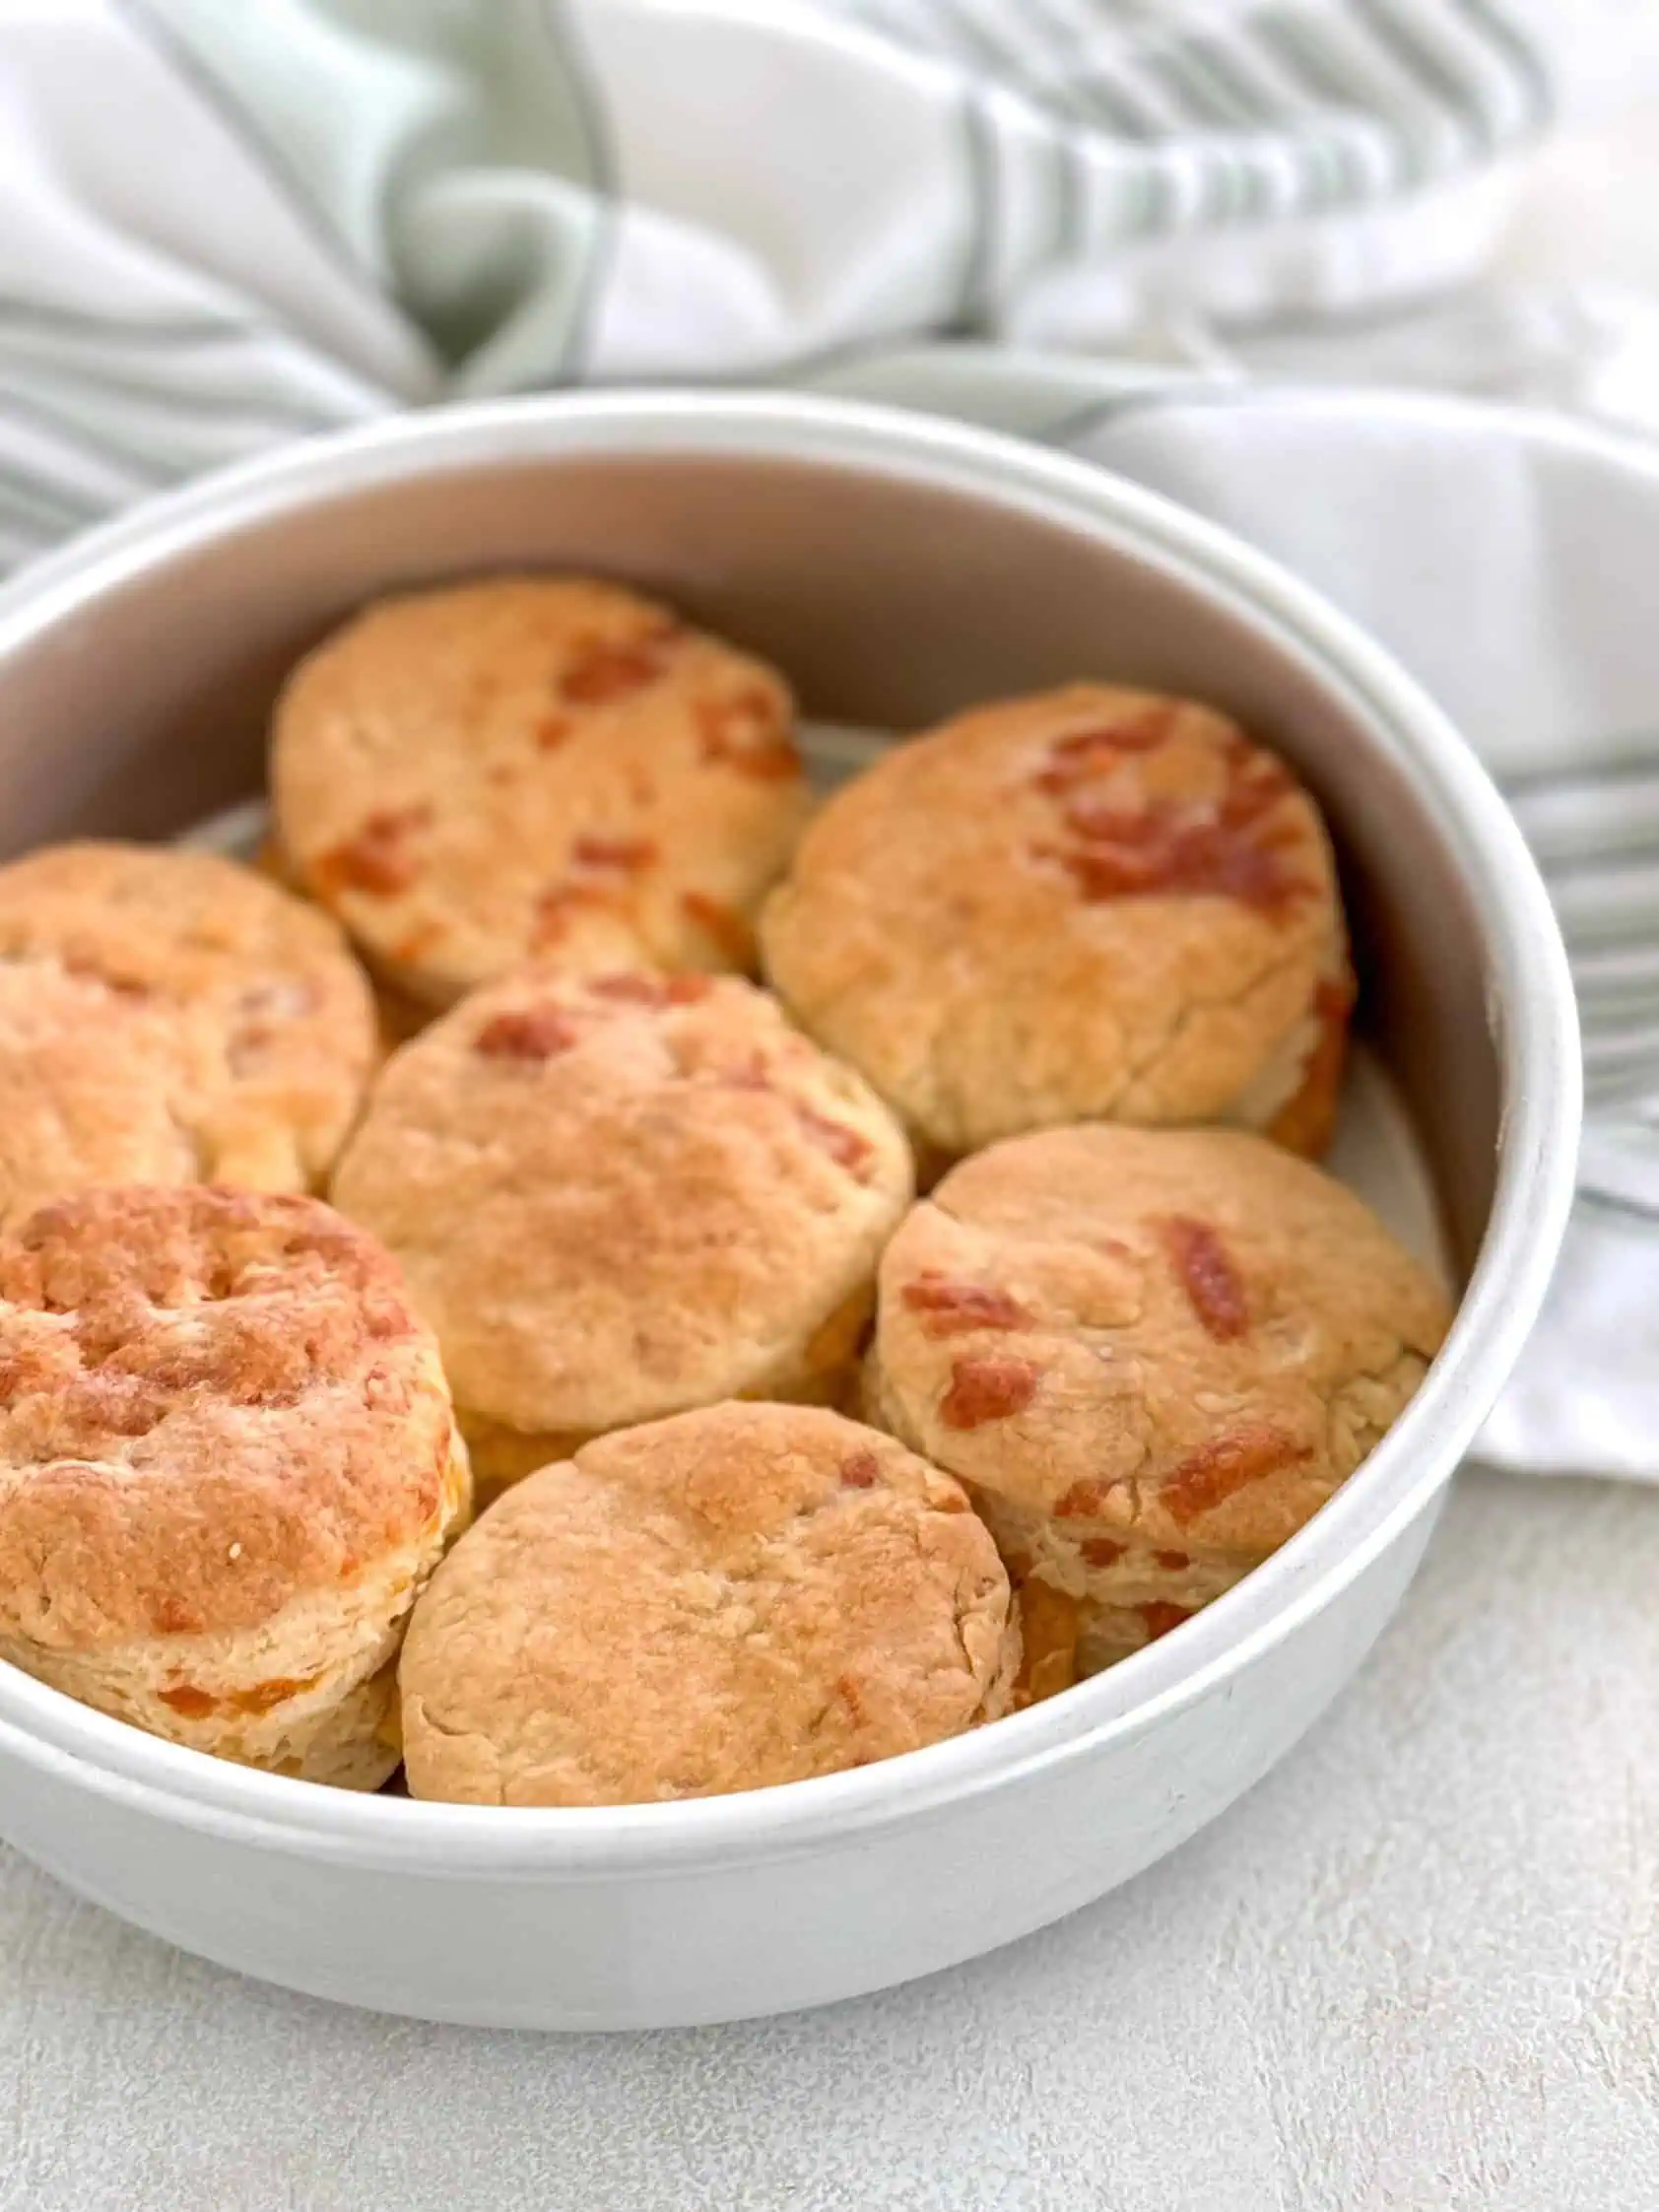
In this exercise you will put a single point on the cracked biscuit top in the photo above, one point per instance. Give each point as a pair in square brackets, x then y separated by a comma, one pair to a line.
[169, 1016]
[1090, 903]
[475, 777]
[1188, 1338]
[620, 1196]
[740, 1596]
[211, 1403]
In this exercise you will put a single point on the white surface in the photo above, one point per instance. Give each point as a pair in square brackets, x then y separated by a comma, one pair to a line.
[1418, 1968]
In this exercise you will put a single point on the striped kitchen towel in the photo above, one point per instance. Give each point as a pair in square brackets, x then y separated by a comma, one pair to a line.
[227, 227]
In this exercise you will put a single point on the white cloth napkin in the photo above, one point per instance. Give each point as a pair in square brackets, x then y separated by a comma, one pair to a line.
[1148, 234]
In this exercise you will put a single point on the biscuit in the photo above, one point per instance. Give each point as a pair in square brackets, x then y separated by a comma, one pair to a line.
[744, 1596]
[473, 777]
[227, 1018]
[228, 1464]
[1152, 1355]
[86, 1082]
[1090, 904]
[619, 1198]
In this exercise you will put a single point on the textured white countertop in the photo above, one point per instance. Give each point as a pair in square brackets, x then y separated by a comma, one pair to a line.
[1419, 1968]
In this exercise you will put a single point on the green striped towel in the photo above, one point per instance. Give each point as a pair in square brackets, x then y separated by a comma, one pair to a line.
[230, 226]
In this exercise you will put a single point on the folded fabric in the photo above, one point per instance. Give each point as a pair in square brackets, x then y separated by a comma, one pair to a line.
[229, 225]
[226, 227]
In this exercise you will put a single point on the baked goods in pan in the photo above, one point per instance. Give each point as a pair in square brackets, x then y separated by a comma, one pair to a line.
[739, 1596]
[475, 775]
[622, 1197]
[1093, 903]
[221, 1020]
[616, 1227]
[1152, 1355]
[228, 1464]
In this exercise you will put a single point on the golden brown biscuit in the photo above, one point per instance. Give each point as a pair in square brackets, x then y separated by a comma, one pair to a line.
[228, 1464]
[87, 1079]
[744, 1596]
[1093, 903]
[615, 1200]
[1152, 1355]
[229, 1018]
[473, 777]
